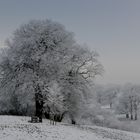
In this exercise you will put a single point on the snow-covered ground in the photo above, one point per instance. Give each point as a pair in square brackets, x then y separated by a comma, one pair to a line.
[18, 128]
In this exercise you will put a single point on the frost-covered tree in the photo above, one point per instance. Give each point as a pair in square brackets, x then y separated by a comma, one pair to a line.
[80, 70]
[129, 101]
[100, 94]
[34, 58]
[107, 94]
[54, 102]
[122, 107]
[41, 52]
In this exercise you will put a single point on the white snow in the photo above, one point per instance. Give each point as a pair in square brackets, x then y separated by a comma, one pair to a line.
[18, 128]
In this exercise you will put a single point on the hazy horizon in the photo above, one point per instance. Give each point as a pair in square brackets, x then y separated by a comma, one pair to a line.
[112, 28]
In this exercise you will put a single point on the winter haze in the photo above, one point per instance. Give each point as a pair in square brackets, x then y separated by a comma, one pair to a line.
[69, 70]
[112, 27]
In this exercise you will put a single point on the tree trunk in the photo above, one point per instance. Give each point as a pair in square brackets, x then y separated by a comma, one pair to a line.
[72, 119]
[131, 108]
[136, 116]
[131, 116]
[39, 103]
[111, 105]
[135, 107]
[127, 115]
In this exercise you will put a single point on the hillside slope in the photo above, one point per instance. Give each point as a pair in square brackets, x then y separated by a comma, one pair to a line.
[18, 128]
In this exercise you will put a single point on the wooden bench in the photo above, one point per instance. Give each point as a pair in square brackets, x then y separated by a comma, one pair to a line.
[34, 119]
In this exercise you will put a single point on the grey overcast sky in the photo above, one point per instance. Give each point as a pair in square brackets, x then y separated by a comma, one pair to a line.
[112, 27]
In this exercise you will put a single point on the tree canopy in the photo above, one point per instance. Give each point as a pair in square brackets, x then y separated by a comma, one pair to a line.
[40, 52]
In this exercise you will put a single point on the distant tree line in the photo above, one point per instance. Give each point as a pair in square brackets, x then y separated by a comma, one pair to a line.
[122, 99]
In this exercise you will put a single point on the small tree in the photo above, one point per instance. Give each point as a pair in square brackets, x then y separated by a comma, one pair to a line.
[123, 106]
[129, 101]
[55, 101]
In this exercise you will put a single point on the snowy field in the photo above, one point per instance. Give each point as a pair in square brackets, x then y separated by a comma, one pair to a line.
[18, 128]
